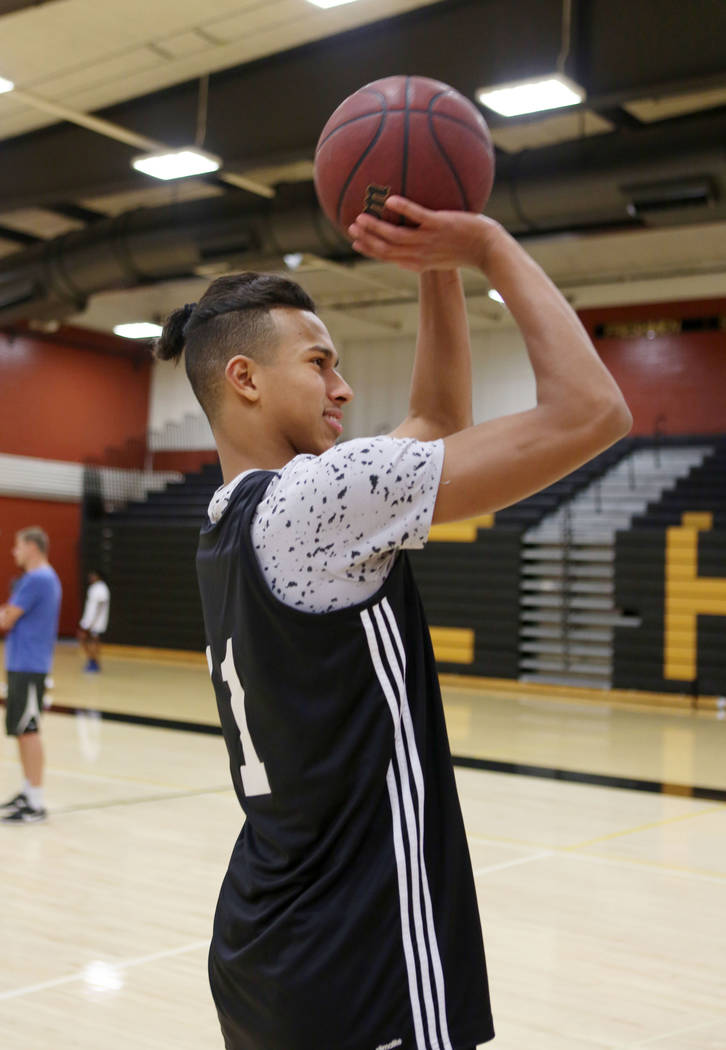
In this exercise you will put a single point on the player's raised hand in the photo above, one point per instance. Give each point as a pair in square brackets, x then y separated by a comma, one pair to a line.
[435, 240]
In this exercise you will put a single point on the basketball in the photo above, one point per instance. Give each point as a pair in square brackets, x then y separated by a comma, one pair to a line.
[403, 135]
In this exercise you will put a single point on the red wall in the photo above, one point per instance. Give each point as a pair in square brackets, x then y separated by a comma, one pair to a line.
[187, 461]
[67, 395]
[72, 395]
[680, 377]
[62, 522]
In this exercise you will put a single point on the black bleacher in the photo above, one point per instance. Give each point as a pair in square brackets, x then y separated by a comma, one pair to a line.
[146, 551]
[703, 489]
[529, 512]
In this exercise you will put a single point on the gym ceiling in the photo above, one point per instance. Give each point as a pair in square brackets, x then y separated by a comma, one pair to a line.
[622, 199]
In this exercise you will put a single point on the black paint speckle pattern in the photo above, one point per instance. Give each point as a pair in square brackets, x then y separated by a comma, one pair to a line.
[327, 530]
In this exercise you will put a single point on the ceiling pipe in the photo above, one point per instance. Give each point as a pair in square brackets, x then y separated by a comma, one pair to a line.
[55, 279]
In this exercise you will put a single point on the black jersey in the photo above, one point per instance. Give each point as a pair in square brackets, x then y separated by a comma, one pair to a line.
[347, 919]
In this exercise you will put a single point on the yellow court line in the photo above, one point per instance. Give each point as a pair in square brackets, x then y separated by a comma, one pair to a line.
[502, 840]
[614, 858]
[620, 858]
[645, 827]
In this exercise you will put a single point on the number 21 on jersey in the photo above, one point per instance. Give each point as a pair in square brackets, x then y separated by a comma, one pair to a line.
[252, 770]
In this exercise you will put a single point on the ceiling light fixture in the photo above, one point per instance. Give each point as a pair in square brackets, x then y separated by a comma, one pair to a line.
[538, 94]
[6, 85]
[534, 95]
[138, 330]
[176, 164]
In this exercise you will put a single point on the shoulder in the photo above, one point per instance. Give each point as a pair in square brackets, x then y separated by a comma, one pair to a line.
[374, 460]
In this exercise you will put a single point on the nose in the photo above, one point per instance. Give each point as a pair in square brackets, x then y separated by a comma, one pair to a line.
[340, 391]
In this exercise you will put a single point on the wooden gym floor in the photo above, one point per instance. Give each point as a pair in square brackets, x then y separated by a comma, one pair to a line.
[597, 831]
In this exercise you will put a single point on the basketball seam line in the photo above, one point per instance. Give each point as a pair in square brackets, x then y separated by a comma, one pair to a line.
[377, 113]
[445, 155]
[383, 114]
[404, 160]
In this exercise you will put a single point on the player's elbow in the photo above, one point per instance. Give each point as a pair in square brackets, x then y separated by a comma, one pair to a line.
[609, 421]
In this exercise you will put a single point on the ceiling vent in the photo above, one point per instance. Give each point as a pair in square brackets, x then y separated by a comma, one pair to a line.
[652, 199]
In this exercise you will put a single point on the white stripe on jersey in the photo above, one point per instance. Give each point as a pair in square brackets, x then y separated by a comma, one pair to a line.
[409, 766]
[419, 781]
[400, 851]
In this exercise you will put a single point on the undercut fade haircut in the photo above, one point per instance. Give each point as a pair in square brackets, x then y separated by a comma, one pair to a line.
[232, 317]
[34, 534]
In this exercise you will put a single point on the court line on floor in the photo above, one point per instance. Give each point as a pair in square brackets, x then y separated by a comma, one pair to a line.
[165, 797]
[615, 859]
[644, 827]
[462, 761]
[575, 776]
[670, 1035]
[123, 964]
[512, 863]
[719, 878]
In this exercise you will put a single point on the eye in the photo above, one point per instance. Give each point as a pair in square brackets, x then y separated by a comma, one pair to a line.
[319, 361]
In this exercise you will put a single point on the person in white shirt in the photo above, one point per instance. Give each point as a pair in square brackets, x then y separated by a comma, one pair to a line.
[94, 620]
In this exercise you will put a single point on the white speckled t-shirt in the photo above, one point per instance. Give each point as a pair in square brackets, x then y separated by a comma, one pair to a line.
[327, 530]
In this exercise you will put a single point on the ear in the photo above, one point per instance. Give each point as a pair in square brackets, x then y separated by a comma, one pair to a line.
[241, 374]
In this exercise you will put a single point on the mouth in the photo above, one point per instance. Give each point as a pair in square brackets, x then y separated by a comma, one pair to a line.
[334, 420]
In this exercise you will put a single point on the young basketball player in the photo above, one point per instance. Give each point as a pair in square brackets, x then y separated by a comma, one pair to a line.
[94, 620]
[30, 619]
[348, 917]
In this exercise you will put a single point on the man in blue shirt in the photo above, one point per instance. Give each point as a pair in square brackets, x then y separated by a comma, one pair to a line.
[30, 619]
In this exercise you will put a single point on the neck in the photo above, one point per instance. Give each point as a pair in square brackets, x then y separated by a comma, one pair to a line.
[35, 562]
[267, 455]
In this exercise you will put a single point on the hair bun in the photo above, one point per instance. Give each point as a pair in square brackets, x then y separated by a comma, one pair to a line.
[170, 344]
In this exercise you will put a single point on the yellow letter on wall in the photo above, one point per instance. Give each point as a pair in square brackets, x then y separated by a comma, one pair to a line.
[687, 596]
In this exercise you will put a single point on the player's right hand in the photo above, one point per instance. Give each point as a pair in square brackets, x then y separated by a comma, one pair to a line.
[435, 240]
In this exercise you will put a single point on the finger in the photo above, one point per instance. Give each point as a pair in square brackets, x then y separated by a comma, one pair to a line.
[368, 224]
[409, 209]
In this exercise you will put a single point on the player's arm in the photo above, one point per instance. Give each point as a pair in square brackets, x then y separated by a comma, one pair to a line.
[580, 410]
[89, 613]
[9, 616]
[440, 398]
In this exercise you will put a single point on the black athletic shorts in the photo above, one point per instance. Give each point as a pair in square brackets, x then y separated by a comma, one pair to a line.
[25, 702]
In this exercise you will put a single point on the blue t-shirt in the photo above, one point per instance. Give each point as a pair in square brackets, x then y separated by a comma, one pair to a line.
[29, 644]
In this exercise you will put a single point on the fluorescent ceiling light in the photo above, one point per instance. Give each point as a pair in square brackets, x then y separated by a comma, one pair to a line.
[531, 96]
[494, 294]
[330, 3]
[5, 85]
[176, 164]
[138, 330]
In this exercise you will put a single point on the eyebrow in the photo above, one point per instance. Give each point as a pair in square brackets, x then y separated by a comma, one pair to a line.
[327, 352]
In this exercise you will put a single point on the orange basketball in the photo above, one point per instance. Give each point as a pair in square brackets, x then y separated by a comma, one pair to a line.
[403, 135]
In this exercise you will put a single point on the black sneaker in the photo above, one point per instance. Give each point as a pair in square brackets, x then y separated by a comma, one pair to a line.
[20, 799]
[25, 814]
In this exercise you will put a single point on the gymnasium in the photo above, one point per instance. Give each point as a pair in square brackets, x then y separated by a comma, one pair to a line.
[579, 635]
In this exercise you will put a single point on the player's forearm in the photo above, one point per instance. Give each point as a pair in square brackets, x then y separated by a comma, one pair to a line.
[570, 377]
[441, 380]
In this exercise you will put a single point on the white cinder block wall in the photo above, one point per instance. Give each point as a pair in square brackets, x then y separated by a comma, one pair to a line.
[379, 373]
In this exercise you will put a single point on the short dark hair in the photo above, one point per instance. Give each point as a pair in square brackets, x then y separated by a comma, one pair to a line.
[233, 316]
